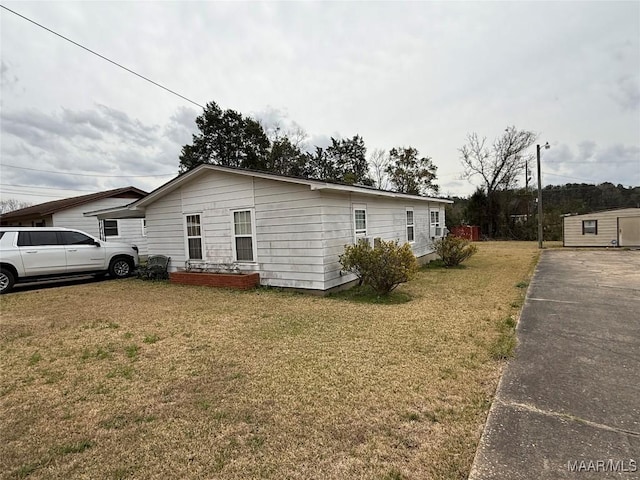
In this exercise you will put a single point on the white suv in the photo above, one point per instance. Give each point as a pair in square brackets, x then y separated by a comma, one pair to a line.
[31, 254]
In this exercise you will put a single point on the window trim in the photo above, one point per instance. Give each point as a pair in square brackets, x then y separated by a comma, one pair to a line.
[411, 225]
[595, 227]
[433, 226]
[143, 227]
[187, 237]
[359, 233]
[254, 243]
[104, 230]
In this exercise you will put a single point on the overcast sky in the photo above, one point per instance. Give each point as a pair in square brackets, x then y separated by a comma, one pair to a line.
[421, 74]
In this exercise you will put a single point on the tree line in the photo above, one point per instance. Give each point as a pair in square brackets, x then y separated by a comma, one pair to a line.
[513, 212]
[228, 138]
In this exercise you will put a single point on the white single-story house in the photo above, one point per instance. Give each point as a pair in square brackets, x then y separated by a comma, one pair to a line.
[608, 228]
[290, 230]
[73, 213]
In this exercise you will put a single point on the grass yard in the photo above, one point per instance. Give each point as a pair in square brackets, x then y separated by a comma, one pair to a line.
[132, 379]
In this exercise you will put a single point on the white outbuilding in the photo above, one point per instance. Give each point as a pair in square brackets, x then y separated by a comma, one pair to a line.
[607, 228]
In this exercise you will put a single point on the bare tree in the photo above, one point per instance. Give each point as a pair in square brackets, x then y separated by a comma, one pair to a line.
[11, 204]
[378, 163]
[498, 165]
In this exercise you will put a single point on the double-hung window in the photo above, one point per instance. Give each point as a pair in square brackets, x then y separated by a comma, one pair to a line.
[244, 236]
[110, 228]
[359, 222]
[194, 236]
[589, 227]
[410, 226]
[435, 223]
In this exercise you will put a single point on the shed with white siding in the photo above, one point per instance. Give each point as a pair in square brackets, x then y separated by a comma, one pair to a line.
[290, 230]
[607, 228]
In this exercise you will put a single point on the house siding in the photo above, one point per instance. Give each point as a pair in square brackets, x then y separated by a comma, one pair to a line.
[288, 233]
[129, 230]
[607, 235]
[386, 219]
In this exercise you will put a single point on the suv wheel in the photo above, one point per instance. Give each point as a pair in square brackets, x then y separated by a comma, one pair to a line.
[120, 268]
[7, 280]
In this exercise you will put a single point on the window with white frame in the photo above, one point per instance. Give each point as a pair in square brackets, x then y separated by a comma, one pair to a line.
[110, 228]
[359, 222]
[194, 236]
[410, 226]
[143, 225]
[435, 223]
[589, 227]
[243, 236]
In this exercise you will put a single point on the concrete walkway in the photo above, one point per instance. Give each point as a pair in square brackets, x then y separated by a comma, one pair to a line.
[568, 404]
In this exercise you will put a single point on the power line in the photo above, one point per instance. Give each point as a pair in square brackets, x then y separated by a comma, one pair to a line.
[103, 57]
[89, 174]
[567, 176]
[42, 186]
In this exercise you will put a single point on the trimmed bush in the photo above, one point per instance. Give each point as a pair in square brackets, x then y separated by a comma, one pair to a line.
[382, 267]
[454, 250]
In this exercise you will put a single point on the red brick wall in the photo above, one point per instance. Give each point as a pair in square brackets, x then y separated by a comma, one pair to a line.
[237, 281]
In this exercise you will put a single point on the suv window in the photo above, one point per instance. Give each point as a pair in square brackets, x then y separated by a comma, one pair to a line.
[76, 238]
[33, 239]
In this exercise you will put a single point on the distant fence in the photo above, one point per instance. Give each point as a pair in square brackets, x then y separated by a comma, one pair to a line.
[470, 232]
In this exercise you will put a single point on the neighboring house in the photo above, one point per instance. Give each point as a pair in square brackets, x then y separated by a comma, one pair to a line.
[290, 230]
[607, 228]
[70, 213]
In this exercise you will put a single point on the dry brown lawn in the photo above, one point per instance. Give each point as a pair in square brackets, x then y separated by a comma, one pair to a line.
[131, 379]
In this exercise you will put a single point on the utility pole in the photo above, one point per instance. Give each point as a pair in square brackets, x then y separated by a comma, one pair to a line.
[546, 145]
[526, 187]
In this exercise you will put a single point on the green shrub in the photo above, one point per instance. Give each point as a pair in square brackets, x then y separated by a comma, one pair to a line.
[382, 267]
[453, 250]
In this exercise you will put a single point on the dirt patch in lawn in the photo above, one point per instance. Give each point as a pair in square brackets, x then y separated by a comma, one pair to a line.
[131, 379]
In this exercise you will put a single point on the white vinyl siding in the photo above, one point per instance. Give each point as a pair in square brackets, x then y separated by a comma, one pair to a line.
[297, 233]
[386, 219]
[289, 235]
[128, 228]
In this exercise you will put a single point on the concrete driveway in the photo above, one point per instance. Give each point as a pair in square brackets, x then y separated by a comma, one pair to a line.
[568, 404]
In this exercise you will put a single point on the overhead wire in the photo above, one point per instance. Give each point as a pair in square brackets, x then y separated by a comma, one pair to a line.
[103, 57]
[93, 174]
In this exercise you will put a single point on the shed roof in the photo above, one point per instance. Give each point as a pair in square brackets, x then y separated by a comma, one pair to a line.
[54, 206]
[607, 210]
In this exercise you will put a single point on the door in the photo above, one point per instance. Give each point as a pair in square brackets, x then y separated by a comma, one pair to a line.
[82, 253]
[629, 231]
[42, 253]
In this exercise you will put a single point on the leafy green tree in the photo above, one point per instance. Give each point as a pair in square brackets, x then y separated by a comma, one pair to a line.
[285, 158]
[349, 160]
[226, 138]
[410, 173]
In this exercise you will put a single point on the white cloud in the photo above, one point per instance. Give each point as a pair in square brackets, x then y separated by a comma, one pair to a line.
[412, 73]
